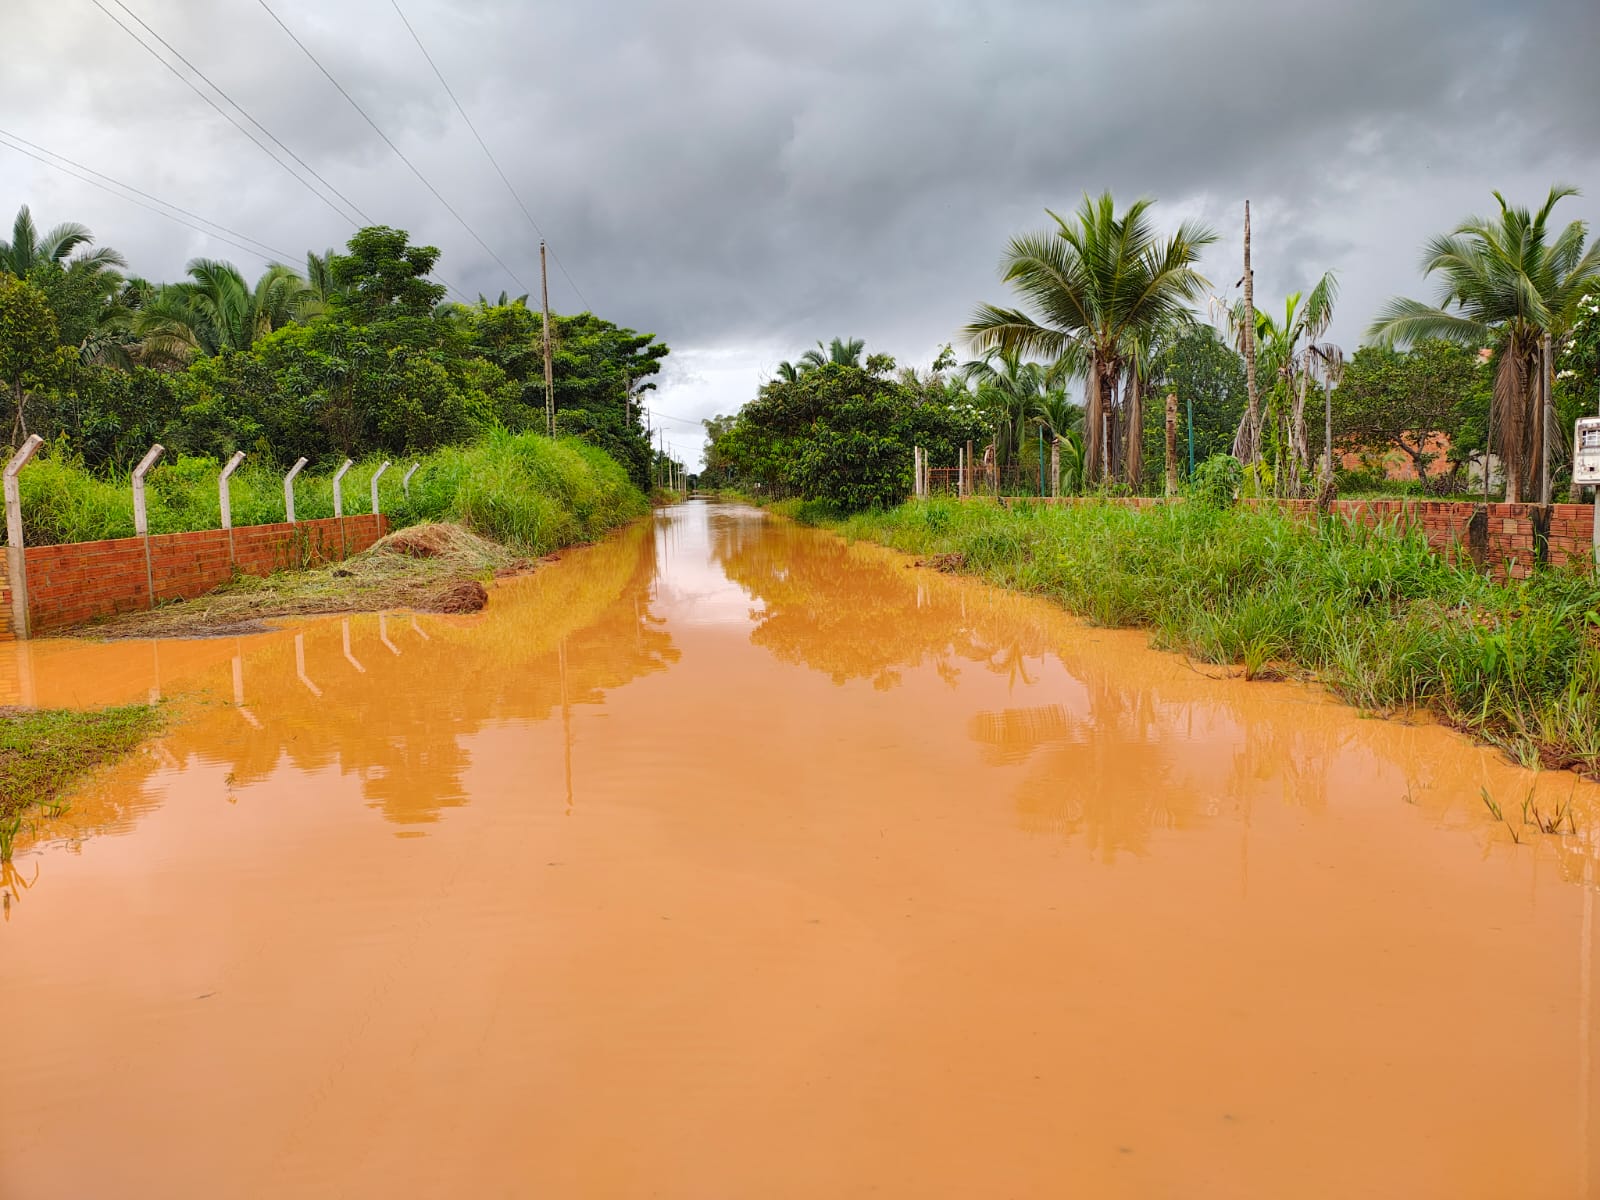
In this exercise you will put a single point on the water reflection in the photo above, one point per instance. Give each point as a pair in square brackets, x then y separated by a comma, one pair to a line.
[390, 701]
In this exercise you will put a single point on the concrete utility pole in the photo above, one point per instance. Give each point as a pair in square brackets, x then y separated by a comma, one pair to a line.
[549, 374]
[1547, 389]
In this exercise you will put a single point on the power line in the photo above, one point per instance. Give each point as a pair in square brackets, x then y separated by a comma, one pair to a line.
[276, 254]
[388, 142]
[489, 154]
[312, 171]
[234, 233]
[343, 216]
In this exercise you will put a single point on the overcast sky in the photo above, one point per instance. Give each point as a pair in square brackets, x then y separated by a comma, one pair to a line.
[744, 179]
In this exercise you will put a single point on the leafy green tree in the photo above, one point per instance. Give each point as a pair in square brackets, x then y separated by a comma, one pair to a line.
[1408, 401]
[1094, 284]
[1207, 376]
[382, 275]
[29, 362]
[1505, 282]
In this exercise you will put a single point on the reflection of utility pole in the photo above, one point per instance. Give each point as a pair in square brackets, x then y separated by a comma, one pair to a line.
[566, 719]
[1585, 999]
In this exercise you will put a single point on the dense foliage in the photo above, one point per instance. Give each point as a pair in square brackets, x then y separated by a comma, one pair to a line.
[840, 433]
[359, 355]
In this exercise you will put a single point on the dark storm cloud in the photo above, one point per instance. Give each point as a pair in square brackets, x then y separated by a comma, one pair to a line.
[759, 176]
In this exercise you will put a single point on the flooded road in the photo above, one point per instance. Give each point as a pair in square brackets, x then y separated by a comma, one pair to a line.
[726, 860]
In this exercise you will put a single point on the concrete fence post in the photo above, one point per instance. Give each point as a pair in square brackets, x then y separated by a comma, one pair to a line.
[288, 489]
[225, 498]
[141, 521]
[338, 488]
[405, 482]
[1055, 468]
[377, 475]
[16, 559]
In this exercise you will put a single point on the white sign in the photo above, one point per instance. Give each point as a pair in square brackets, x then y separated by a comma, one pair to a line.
[1586, 451]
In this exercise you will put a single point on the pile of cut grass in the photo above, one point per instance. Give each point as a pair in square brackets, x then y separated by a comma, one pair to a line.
[421, 567]
[1372, 613]
[44, 751]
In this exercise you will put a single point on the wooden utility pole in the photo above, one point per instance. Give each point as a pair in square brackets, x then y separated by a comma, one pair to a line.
[1172, 443]
[1253, 438]
[549, 374]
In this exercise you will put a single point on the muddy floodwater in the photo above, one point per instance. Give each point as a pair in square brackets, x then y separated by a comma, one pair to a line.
[724, 859]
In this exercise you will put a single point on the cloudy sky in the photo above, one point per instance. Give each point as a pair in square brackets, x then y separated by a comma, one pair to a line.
[743, 179]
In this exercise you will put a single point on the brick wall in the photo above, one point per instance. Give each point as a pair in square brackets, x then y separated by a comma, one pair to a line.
[5, 599]
[71, 584]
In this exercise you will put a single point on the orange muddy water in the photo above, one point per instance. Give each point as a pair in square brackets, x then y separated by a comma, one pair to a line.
[726, 860]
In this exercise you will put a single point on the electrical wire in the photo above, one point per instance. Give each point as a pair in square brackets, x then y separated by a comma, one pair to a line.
[233, 233]
[390, 143]
[489, 154]
[189, 83]
[268, 258]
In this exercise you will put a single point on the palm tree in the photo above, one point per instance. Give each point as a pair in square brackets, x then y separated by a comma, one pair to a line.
[788, 372]
[216, 310]
[1096, 282]
[28, 248]
[1286, 351]
[1011, 390]
[1505, 283]
[838, 352]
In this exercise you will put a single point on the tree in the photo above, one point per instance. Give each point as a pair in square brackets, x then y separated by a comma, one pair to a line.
[1094, 283]
[1505, 282]
[28, 248]
[1010, 392]
[1208, 376]
[215, 310]
[838, 352]
[28, 358]
[1407, 401]
[383, 276]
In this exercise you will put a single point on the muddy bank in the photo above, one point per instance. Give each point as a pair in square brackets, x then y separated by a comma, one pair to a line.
[423, 568]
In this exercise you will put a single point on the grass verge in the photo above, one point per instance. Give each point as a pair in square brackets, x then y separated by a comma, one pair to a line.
[43, 752]
[1372, 613]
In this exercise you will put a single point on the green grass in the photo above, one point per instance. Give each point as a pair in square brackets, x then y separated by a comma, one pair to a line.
[43, 752]
[1372, 613]
[526, 491]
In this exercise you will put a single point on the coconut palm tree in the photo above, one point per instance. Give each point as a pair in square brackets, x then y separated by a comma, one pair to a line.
[1093, 284]
[838, 352]
[788, 372]
[28, 248]
[216, 310]
[1286, 352]
[1504, 282]
[1011, 391]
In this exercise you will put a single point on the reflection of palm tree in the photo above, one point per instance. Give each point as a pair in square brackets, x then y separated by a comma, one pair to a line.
[1014, 662]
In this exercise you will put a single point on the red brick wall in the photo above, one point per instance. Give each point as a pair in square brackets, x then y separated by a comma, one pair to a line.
[5, 599]
[71, 584]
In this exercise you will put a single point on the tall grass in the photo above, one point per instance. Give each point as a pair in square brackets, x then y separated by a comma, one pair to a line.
[1373, 613]
[520, 489]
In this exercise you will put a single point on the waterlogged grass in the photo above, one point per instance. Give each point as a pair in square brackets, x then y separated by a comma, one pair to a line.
[525, 491]
[43, 752]
[1372, 613]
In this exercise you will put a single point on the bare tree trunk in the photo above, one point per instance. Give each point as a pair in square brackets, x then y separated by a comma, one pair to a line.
[1093, 421]
[1133, 433]
[1546, 424]
[1327, 429]
[1252, 441]
[1172, 444]
[19, 426]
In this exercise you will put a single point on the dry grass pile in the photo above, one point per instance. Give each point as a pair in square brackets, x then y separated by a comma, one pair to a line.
[429, 568]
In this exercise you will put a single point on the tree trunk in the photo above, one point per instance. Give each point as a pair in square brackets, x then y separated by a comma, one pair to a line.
[19, 426]
[1299, 442]
[1512, 399]
[1172, 444]
[1093, 421]
[1252, 440]
[1133, 433]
